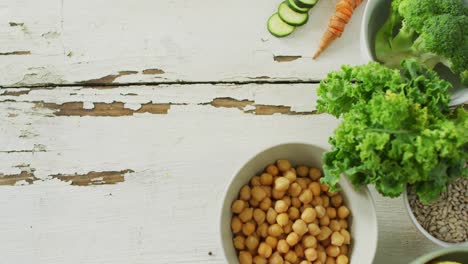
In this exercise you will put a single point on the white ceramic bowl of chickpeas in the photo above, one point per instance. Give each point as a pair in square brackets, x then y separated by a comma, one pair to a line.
[276, 211]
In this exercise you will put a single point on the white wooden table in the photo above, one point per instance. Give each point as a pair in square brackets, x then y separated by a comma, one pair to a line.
[123, 121]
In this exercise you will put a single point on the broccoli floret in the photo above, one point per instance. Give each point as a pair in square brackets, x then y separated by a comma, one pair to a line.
[428, 31]
[438, 37]
[417, 12]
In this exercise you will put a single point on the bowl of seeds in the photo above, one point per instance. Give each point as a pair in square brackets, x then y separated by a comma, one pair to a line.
[444, 221]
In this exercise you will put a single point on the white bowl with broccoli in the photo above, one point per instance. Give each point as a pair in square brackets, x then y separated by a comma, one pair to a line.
[409, 30]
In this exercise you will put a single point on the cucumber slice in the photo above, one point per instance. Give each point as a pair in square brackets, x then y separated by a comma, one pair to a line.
[290, 16]
[296, 8]
[278, 27]
[305, 3]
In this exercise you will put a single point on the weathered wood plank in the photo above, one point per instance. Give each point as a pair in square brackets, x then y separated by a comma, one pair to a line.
[63, 42]
[264, 99]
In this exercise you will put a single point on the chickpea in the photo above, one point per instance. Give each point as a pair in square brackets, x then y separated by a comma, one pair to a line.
[294, 189]
[344, 249]
[245, 257]
[281, 206]
[272, 170]
[299, 250]
[302, 182]
[322, 256]
[305, 262]
[332, 251]
[309, 242]
[283, 165]
[248, 228]
[277, 194]
[271, 241]
[258, 193]
[288, 228]
[334, 225]
[262, 230]
[251, 242]
[306, 196]
[260, 260]
[302, 171]
[244, 193]
[346, 235]
[317, 201]
[343, 212]
[324, 187]
[292, 239]
[254, 203]
[331, 212]
[305, 206]
[337, 239]
[255, 181]
[275, 230]
[266, 179]
[293, 213]
[320, 210]
[315, 188]
[271, 216]
[296, 202]
[325, 221]
[281, 184]
[308, 215]
[315, 174]
[236, 225]
[343, 223]
[291, 256]
[337, 200]
[287, 200]
[325, 233]
[239, 242]
[264, 250]
[238, 206]
[282, 219]
[325, 201]
[300, 227]
[342, 259]
[265, 204]
[259, 216]
[246, 214]
[282, 247]
[276, 258]
[311, 254]
[267, 190]
[330, 260]
[331, 194]
[291, 176]
[314, 229]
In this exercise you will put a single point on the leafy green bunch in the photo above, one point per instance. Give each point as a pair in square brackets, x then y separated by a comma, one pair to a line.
[396, 129]
[430, 31]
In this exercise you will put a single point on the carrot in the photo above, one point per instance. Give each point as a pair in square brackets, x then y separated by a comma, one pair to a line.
[343, 12]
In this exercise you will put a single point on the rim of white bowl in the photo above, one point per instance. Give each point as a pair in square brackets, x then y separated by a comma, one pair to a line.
[364, 189]
[366, 50]
[421, 229]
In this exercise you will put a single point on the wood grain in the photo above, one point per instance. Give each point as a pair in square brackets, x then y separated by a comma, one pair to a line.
[73, 42]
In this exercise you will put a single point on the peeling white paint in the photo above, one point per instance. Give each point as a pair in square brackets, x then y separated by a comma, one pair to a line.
[193, 48]
[88, 105]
